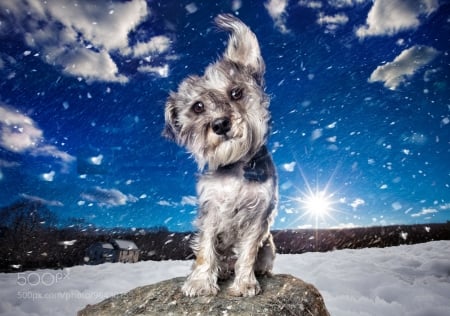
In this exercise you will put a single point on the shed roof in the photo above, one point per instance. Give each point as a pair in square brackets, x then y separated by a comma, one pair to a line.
[125, 244]
[107, 245]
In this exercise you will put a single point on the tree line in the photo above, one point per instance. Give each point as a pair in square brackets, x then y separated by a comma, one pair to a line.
[31, 239]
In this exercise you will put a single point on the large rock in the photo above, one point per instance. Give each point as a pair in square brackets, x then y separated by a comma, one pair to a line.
[281, 295]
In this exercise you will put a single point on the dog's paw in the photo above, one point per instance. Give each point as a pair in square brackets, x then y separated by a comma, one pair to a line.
[199, 287]
[245, 289]
[263, 273]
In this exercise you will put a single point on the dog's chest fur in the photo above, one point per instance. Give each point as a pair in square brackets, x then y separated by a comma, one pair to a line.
[235, 196]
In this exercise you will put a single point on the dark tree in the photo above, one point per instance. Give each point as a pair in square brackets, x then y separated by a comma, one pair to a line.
[26, 233]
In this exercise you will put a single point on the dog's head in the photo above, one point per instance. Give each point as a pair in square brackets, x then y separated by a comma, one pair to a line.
[222, 117]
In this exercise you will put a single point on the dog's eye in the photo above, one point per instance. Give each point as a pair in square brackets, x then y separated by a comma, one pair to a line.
[198, 107]
[236, 93]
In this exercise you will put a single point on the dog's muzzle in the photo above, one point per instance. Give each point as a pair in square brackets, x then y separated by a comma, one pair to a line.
[221, 126]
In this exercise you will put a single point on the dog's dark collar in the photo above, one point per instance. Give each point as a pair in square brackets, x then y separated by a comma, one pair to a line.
[258, 169]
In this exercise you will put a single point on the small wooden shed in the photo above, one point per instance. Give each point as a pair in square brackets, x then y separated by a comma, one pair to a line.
[126, 251]
[116, 250]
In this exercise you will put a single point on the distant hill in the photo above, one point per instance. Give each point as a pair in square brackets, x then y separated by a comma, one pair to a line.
[58, 248]
[310, 240]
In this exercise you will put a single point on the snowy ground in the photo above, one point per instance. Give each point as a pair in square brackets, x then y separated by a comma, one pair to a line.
[404, 280]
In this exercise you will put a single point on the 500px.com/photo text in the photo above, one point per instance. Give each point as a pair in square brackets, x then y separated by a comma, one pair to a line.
[64, 295]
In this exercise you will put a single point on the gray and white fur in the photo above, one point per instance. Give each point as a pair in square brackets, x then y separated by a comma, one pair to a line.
[222, 118]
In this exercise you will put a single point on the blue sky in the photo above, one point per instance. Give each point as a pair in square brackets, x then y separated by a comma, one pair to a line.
[360, 105]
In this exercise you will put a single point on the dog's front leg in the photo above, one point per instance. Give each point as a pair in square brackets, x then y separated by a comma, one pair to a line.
[203, 279]
[245, 283]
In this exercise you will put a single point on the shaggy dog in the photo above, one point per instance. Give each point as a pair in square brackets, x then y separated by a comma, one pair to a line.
[222, 118]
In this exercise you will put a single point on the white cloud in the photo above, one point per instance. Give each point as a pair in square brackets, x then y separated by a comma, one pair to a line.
[277, 11]
[344, 225]
[338, 4]
[425, 211]
[165, 203]
[162, 71]
[410, 60]
[20, 134]
[156, 45]
[41, 200]
[108, 197]
[445, 206]
[332, 22]
[388, 17]
[396, 206]
[8, 164]
[339, 18]
[81, 37]
[89, 64]
[306, 226]
[357, 202]
[52, 151]
[289, 167]
[344, 3]
[94, 22]
[189, 200]
[310, 4]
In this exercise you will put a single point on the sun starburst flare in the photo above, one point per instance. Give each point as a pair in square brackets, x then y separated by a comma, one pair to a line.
[318, 204]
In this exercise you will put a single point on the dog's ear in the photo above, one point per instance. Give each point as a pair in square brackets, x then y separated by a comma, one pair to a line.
[243, 47]
[171, 128]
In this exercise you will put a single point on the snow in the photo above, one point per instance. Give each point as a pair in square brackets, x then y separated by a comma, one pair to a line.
[405, 280]
[125, 244]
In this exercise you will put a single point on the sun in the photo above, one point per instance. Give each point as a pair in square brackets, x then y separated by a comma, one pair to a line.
[317, 203]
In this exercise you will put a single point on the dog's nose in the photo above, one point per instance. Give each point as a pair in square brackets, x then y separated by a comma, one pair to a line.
[221, 126]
